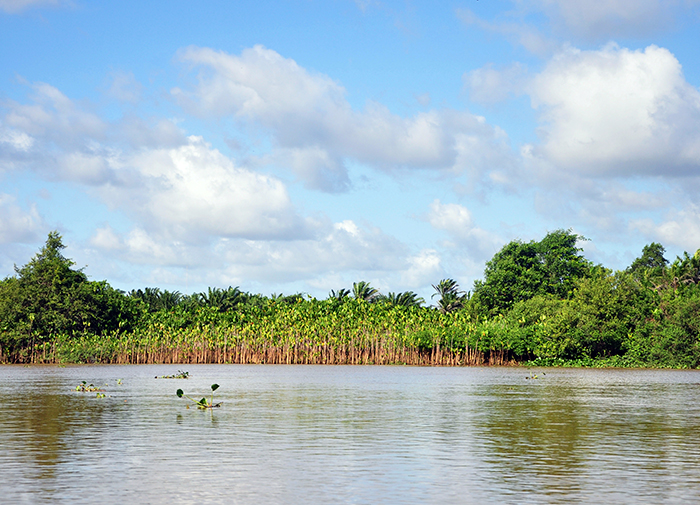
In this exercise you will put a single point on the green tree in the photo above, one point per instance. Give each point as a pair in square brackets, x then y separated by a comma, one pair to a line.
[339, 295]
[521, 270]
[602, 312]
[363, 291]
[405, 299]
[48, 297]
[451, 298]
[222, 299]
[682, 273]
[652, 260]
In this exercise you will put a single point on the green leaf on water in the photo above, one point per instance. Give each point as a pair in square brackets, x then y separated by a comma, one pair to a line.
[214, 387]
[203, 401]
[179, 393]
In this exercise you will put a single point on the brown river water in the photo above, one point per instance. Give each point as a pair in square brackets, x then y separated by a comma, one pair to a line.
[349, 435]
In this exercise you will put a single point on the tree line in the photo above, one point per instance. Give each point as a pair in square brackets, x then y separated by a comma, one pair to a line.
[540, 302]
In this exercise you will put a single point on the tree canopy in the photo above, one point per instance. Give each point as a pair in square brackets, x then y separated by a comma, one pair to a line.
[522, 270]
[652, 258]
[47, 296]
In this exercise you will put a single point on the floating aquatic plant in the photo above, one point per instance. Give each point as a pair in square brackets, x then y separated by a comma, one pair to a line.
[203, 403]
[84, 387]
[179, 375]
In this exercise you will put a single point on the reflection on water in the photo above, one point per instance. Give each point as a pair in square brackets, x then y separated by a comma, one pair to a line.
[315, 434]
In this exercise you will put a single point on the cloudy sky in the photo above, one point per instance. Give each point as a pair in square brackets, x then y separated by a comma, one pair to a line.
[300, 145]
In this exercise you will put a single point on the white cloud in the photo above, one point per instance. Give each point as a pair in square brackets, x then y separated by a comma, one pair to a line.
[15, 147]
[176, 185]
[457, 221]
[680, 227]
[606, 19]
[517, 32]
[17, 225]
[106, 239]
[579, 21]
[16, 140]
[52, 123]
[423, 269]
[309, 113]
[194, 191]
[54, 117]
[337, 255]
[617, 112]
[488, 85]
[314, 166]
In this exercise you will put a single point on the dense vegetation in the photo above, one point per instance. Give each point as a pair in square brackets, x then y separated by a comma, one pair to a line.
[539, 302]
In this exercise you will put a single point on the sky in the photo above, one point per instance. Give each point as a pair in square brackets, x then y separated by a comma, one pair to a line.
[298, 146]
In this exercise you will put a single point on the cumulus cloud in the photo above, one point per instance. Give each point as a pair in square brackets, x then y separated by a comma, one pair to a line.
[457, 221]
[106, 239]
[54, 117]
[423, 268]
[309, 113]
[63, 124]
[617, 112]
[147, 169]
[15, 147]
[338, 254]
[680, 227]
[195, 190]
[16, 224]
[314, 166]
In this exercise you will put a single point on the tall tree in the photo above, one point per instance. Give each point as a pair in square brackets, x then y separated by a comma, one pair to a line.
[363, 291]
[521, 270]
[451, 298]
[652, 260]
[48, 297]
[405, 299]
[339, 295]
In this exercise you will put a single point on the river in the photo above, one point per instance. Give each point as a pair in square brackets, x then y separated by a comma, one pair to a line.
[349, 435]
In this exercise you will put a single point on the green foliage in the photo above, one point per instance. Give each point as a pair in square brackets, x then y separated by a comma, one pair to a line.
[603, 311]
[156, 300]
[451, 298]
[363, 291]
[651, 261]
[339, 295]
[540, 302]
[520, 271]
[671, 336]
[203, 403]
[179, 375]
[405, 299]
[48, 297]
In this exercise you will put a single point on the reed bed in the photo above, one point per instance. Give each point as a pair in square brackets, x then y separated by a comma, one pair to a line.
[309, 332]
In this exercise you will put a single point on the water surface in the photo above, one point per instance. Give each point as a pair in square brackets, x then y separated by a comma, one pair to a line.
[350, 435]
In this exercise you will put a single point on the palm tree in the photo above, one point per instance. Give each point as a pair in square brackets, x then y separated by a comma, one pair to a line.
[451, 298]
[150, 296]
[222, 299]
[170, 299]
[363, 291]
[405, 299]
[339, 295]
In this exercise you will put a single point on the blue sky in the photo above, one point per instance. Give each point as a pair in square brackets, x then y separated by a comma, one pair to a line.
[299, 146]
